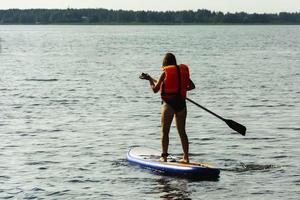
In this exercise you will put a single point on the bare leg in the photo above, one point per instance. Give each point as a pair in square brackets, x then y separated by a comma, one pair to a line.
[180, 124]
[167, 114]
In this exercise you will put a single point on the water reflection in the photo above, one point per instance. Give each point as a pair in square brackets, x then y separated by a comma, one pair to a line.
[173, 189]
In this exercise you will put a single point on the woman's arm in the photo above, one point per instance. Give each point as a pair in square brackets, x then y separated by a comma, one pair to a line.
[154, 84]
[190, 85]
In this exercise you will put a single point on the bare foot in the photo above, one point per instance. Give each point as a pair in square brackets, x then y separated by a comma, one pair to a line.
[185, 161]
[163, 159]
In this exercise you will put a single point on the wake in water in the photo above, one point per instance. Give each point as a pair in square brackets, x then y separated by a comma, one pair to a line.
[40, 79]
[242, 167]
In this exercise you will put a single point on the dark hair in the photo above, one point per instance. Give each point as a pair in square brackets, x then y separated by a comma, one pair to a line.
[169, 59]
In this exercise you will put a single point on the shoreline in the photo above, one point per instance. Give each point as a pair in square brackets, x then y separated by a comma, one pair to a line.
[155, 24]
[102, 16]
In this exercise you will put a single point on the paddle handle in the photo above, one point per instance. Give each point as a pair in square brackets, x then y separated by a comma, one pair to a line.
[218, 116]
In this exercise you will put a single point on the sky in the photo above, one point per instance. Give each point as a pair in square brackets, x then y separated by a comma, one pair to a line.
[250, 6]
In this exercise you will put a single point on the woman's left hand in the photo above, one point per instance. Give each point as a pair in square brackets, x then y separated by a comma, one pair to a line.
[144, 76]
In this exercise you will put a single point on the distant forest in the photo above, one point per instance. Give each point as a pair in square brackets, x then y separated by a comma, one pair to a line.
[105, 16]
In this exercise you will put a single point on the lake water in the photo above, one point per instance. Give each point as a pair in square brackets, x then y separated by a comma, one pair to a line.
[71, 105]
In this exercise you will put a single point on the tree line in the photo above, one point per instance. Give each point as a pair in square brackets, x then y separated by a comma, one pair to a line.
[105, 16]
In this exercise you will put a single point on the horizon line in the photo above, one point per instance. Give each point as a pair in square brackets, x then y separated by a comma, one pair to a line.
[194, 10]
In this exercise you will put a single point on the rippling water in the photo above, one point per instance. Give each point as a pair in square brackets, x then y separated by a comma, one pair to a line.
[71, 105]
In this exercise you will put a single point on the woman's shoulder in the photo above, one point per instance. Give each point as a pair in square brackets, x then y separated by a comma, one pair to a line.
[184, 65]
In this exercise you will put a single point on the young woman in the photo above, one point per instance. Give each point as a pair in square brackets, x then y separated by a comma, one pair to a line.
[173, 85]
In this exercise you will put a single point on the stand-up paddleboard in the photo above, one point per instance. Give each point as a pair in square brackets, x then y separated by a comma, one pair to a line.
[149, 158]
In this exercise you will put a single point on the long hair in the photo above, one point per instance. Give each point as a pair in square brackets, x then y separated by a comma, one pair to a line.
[169, 59]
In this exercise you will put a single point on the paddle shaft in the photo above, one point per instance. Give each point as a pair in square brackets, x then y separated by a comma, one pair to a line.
[218, 116]
[232, 124]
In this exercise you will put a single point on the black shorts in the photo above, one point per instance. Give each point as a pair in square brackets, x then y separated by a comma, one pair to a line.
[177, 103]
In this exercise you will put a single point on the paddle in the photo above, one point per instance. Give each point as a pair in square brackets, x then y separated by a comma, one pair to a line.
[232, 124]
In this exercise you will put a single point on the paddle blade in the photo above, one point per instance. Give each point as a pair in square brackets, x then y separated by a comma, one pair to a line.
[236, 126]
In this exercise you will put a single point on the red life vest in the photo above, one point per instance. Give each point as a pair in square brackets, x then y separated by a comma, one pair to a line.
[170, 86]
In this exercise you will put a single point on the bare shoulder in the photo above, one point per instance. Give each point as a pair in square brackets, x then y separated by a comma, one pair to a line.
[162, 76]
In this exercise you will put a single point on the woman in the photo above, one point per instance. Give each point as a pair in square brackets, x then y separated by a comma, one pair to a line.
[173, 84]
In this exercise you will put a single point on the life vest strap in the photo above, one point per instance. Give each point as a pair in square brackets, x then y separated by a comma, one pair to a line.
[179, 80]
